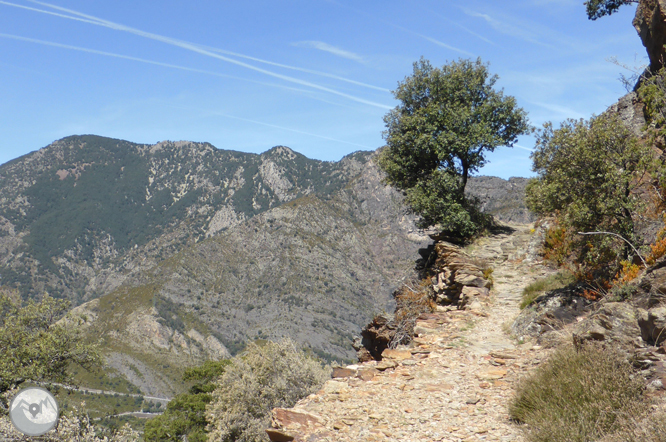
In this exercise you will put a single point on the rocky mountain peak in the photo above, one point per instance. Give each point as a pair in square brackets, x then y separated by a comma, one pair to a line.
[282, 152]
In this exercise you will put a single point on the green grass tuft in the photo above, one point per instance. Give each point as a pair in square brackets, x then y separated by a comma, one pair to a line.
[557, 281]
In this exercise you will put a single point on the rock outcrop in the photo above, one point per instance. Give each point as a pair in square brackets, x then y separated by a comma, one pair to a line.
[454, 281]
[550, 313]
[650, 23]
[457, 280]
[631, 113]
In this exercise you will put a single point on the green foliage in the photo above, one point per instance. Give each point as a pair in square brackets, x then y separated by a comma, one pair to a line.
[552, 282]
[439, 134]
[578, 395]
[599, 8]
[274, 374]
[652, 93]
[35, 347]
[622, 292]
[590, 174]
[185, 414]
[169, 312]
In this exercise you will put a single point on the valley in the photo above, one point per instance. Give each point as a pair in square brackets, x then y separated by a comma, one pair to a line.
[178, 252]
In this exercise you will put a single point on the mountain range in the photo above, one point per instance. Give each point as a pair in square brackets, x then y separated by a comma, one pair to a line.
[178, 252]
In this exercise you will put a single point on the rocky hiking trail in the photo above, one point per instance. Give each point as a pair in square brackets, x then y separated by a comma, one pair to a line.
[451, 384]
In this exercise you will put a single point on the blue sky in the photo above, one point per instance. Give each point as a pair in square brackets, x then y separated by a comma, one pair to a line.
[314, 75]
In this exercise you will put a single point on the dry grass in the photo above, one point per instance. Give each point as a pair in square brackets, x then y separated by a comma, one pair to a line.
[412, 299]
[651, 428]
[578, 395]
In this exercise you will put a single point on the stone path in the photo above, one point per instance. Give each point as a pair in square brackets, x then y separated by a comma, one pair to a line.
[452, 384]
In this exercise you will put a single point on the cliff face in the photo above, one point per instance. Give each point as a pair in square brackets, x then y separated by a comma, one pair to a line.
[505, 199]
[650, 23]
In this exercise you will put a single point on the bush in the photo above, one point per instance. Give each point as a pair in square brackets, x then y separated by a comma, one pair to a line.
[578, 395]
[410, 304]
[74, 425]
[263, 377]
[593, 176]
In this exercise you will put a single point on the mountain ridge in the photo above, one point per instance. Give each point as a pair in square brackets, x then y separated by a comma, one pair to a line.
[179, 252]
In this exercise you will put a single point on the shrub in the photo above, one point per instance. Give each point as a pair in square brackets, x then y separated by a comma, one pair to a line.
[592, 175]
[74, 425]
[410, 303]
[263, 377]
[578, 395]
[185, 415]
[627, 273]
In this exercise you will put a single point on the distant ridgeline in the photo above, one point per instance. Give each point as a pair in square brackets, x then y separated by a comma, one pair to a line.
[82, 204]
[189, 251]
[88, 207]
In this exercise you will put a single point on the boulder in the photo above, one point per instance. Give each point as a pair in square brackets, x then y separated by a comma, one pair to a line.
[275, 435]
[293, 419]
[652, 324]
[465, 279]
[340, 372]
[652, 285]
[375, 338]
[549, 313]
[396, 355]
[473, 295]
[614, 322]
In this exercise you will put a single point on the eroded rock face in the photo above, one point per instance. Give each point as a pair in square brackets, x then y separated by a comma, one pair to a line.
[375, 338]
[458, 280]
[631, 113]
[650, 23]
[614, 322]
[652, 325]
[550, 313]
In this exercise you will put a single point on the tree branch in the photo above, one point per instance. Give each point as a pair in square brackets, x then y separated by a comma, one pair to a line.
[619, 236]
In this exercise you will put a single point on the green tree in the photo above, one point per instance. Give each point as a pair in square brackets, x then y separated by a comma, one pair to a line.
[185, 415]
[35, 347]
[590, 173]
[599, 8]
[447, 121]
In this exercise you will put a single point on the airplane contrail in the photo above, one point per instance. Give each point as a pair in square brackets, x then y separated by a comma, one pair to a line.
[143, 60]
[189, 46]
[290, 130]
[295, 68]
[94, 22]
[222, 51]
[402, 28]
[524, 148]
